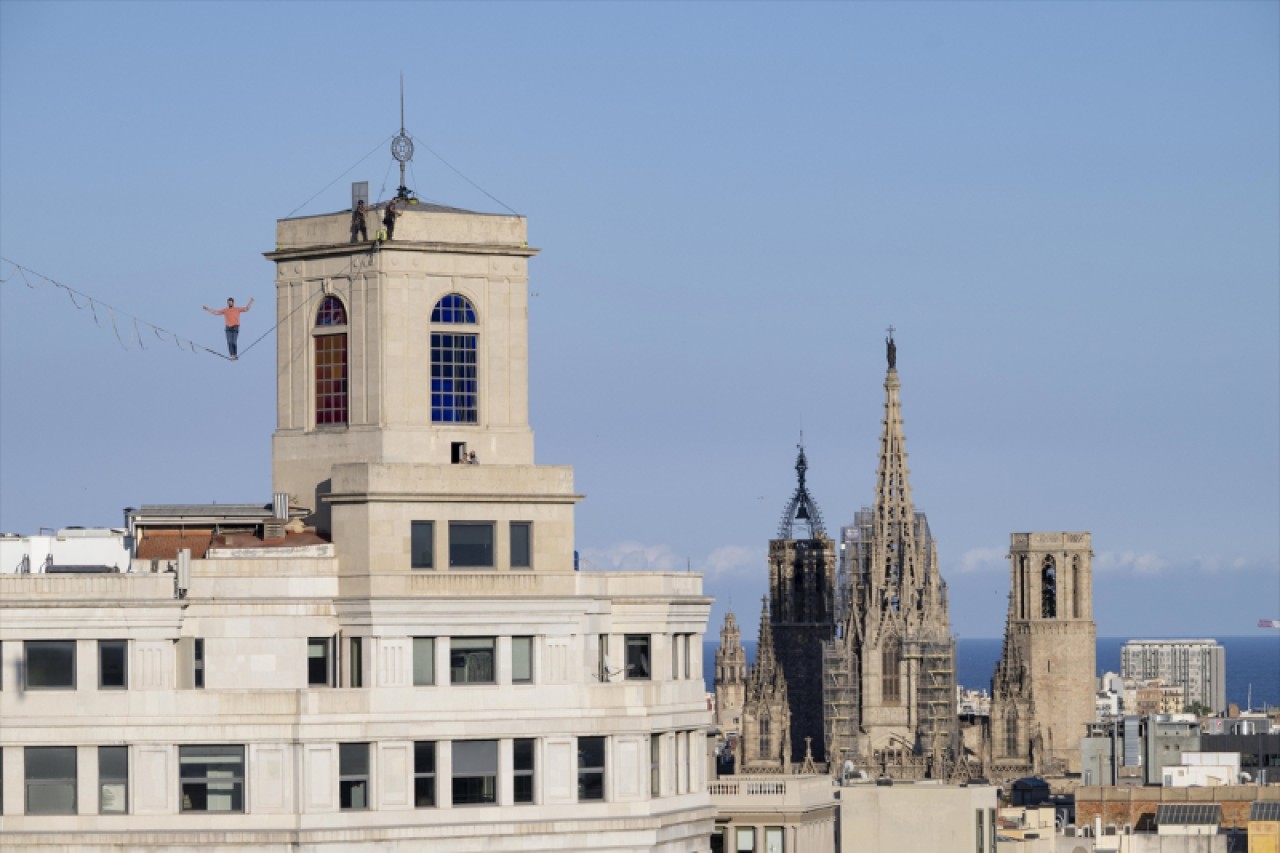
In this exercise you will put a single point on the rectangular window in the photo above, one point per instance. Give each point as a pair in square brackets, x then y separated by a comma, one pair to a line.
[590, 768]
[422, 545]
[197, 662]
[521, 540]
[113, 664]
[982, 835]
[424, 661]
[353, 776]
[746, 839]
[331, 379]
[51, 779]
[522, 770]
[318, 661]
[475, 772]
[453, 378]
[688, 655]
[991, 829]
[471, 544]
[424, 774]
[637, 656]
[675, 656]
[211, 778]
[51, 664]
[773, 840]
[655, 765]
[113, 779]
[471, 660]
[521, 660]
[356, 647]
[602, 646]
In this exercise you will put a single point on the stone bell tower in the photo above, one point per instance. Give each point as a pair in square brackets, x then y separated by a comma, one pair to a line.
[396, 360]
[1042, 692]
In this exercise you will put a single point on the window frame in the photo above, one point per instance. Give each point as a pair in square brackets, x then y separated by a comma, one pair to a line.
[488, 786]
[351, 778]
[325, 643]
[655, 765]
[51, 782]
[526, 546]
[518, 773]
[197, 663]
[355, 661]
[429, 658]
[429, 553]
[233, 780]
[454, 361]
[424, 777]
[644, 663]
[105, 779]
[589, 773]
[123, 647]
[472, 525]
[527, 641]
[331, 349]
[28, 646]
[472, 645]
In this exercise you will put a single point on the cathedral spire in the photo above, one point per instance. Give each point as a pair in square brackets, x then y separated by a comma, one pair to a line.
[895, 558]
[802, 507]
[766, 676]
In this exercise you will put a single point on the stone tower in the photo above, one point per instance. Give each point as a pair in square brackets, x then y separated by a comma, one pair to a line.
[765, 745]
[1042, 692]
[890, 677]
[802, 585]
[731, 676]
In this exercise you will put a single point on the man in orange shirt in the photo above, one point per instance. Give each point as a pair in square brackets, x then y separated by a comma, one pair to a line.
[232, 315]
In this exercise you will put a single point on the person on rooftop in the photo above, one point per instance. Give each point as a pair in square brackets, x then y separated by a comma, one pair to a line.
[389, 218]
[358, 223]
[232, 315]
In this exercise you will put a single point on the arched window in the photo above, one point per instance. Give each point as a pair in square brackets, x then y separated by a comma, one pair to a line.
[331, 362]
[1010, 733]
[1076, 610]
[890, 675]
[454, 388]
[1049, 588]
[764, 737]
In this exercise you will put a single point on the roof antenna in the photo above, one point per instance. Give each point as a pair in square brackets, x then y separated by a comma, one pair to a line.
[402, 147]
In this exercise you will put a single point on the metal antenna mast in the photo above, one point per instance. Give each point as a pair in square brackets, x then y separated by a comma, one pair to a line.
[402, 146]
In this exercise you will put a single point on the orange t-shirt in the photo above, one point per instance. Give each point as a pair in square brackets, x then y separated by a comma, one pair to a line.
[232, 314]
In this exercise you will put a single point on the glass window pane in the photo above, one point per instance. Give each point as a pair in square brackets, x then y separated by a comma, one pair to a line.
[51, 664]
[520, 536]
[113, 762]
[422, 545]
[637, 649]
[318, 660]
[50, 763]
[475, 771]
[773, 839]
[424, 660]
[522, 765]
[51, 798]
[112, 663]
[471, 544]
[353, 759]
[521, 659]
[113, 776]
[471, 660]
[746, 839]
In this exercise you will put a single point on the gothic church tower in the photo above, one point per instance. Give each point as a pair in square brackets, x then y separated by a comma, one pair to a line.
[1042, 691]
[802, 579]
[731, 675]
[766, 714]
[890, 701]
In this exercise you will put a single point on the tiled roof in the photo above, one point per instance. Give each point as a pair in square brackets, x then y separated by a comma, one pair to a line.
[152, 511]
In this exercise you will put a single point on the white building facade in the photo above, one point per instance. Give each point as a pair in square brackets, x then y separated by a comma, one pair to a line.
[408, 659]
[1199, 667]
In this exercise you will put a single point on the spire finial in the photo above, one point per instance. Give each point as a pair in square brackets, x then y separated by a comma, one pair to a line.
[402, 146]
[891, 349]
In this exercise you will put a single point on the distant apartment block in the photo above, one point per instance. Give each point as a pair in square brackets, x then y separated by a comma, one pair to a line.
[1198, 667]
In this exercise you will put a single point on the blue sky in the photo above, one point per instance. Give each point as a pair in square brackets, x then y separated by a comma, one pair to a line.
[1068, 210]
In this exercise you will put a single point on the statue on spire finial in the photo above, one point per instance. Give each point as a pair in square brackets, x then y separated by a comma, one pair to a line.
[891, 350]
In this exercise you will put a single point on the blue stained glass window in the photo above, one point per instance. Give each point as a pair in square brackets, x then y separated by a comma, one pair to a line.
[453, 378]
[331, 313]
[453, 308]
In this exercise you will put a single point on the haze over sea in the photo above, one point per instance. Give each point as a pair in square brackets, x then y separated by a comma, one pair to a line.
[1252, 661]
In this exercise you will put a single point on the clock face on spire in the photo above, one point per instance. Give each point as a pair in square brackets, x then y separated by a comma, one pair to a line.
[402, 148]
